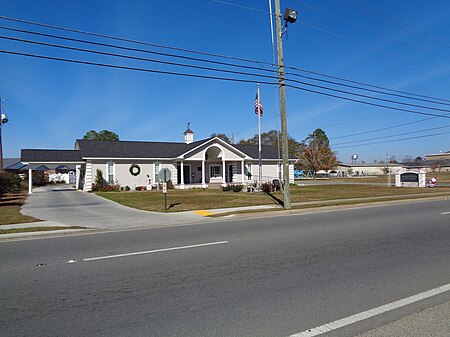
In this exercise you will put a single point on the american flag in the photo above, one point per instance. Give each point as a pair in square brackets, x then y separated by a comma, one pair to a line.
[258, 101]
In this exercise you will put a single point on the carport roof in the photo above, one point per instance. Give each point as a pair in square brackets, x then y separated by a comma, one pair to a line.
[50, 156]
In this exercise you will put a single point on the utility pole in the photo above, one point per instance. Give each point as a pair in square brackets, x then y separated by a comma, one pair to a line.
[284, 135]
[3, 120]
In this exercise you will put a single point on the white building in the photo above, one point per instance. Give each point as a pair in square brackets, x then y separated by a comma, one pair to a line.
[188, 164]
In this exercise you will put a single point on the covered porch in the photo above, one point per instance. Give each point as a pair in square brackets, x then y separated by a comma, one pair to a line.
[213, 165]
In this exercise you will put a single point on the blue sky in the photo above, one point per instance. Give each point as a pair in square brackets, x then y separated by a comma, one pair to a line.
[402, 45]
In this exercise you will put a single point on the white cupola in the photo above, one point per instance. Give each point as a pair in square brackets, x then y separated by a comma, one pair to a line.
[188, 135]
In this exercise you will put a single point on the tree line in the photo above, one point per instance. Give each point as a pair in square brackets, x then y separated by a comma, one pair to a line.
[312, 153]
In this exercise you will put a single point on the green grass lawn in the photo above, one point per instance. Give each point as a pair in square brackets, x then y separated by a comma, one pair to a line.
[186, 200]
[10, 209]
[330, 192]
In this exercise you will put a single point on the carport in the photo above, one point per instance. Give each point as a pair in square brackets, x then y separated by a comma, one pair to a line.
[42, 160]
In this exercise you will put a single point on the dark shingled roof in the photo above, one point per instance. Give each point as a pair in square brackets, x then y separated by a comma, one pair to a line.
[267, 151]
[12, 163]
[132, 149]
[135, 149]
[37, 155]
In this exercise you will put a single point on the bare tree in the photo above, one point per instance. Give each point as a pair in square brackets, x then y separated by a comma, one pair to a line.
[315, 153]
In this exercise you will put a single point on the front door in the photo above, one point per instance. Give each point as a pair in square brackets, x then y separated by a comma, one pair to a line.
[230, 174]
[186, 174]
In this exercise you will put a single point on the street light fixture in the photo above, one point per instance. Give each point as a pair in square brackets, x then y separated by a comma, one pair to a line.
[290, 15]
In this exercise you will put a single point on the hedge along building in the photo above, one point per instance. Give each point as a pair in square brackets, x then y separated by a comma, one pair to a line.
[189, 164]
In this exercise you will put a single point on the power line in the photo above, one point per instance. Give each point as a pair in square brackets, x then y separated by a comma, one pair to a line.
[376, 48]
[131, 40]
[390, 136]
[409, 28]
[240, 6]
[210, 54]
[383, 129]
[217, 78]
[135, 49]
[367, 103]
[370, 90]
[370, 29]
[135, 68]
[133, 57]
[394, 140]
[218, 70]
[194, 59]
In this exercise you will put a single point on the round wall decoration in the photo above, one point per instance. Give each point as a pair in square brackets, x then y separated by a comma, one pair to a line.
[135, 170]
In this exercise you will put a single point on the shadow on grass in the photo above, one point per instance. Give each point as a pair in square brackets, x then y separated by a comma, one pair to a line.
[10, 203]
[173, 205]
[279, 201]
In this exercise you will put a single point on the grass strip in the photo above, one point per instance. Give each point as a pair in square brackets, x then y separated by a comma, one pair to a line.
[327, 204]
[192, 200]
[10, 215]
[37, 229]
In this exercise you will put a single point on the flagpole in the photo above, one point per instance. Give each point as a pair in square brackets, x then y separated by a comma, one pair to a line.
[259, 139]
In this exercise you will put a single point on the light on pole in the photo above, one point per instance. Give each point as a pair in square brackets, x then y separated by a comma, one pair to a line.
[3, 120]
[290, 16]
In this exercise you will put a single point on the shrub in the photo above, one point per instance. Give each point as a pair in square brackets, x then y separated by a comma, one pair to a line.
[170, 185]
[105, 188]
[111, 188]
[232, 187]
[266, 187]
[140, 188]
[99, 177]
[237, 188]
[40, 178]
[9, 182]
[127, 188]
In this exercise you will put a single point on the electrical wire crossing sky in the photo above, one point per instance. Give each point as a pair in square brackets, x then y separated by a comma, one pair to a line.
[373, 76]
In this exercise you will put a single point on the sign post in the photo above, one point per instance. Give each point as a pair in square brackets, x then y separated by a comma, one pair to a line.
[165, 174]
[164, 187]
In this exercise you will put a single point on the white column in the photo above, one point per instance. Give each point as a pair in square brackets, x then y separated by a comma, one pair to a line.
[182, 175]
[223, 173]
[88, 176]
[242, 171]
[30, 181]
[203, 174]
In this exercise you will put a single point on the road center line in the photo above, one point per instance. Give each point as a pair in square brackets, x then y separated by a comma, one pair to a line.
[156, 250]
[372, 312]
[445, 213]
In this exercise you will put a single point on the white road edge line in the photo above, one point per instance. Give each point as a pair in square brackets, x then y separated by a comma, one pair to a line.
[445, 213]
[372, 312]
[156, 251]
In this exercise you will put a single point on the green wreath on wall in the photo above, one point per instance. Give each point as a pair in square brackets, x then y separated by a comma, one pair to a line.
[135, 170]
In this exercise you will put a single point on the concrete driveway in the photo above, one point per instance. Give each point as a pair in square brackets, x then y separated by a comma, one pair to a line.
[68, 206]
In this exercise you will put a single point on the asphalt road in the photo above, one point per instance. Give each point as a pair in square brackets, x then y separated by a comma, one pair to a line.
[274, 276]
